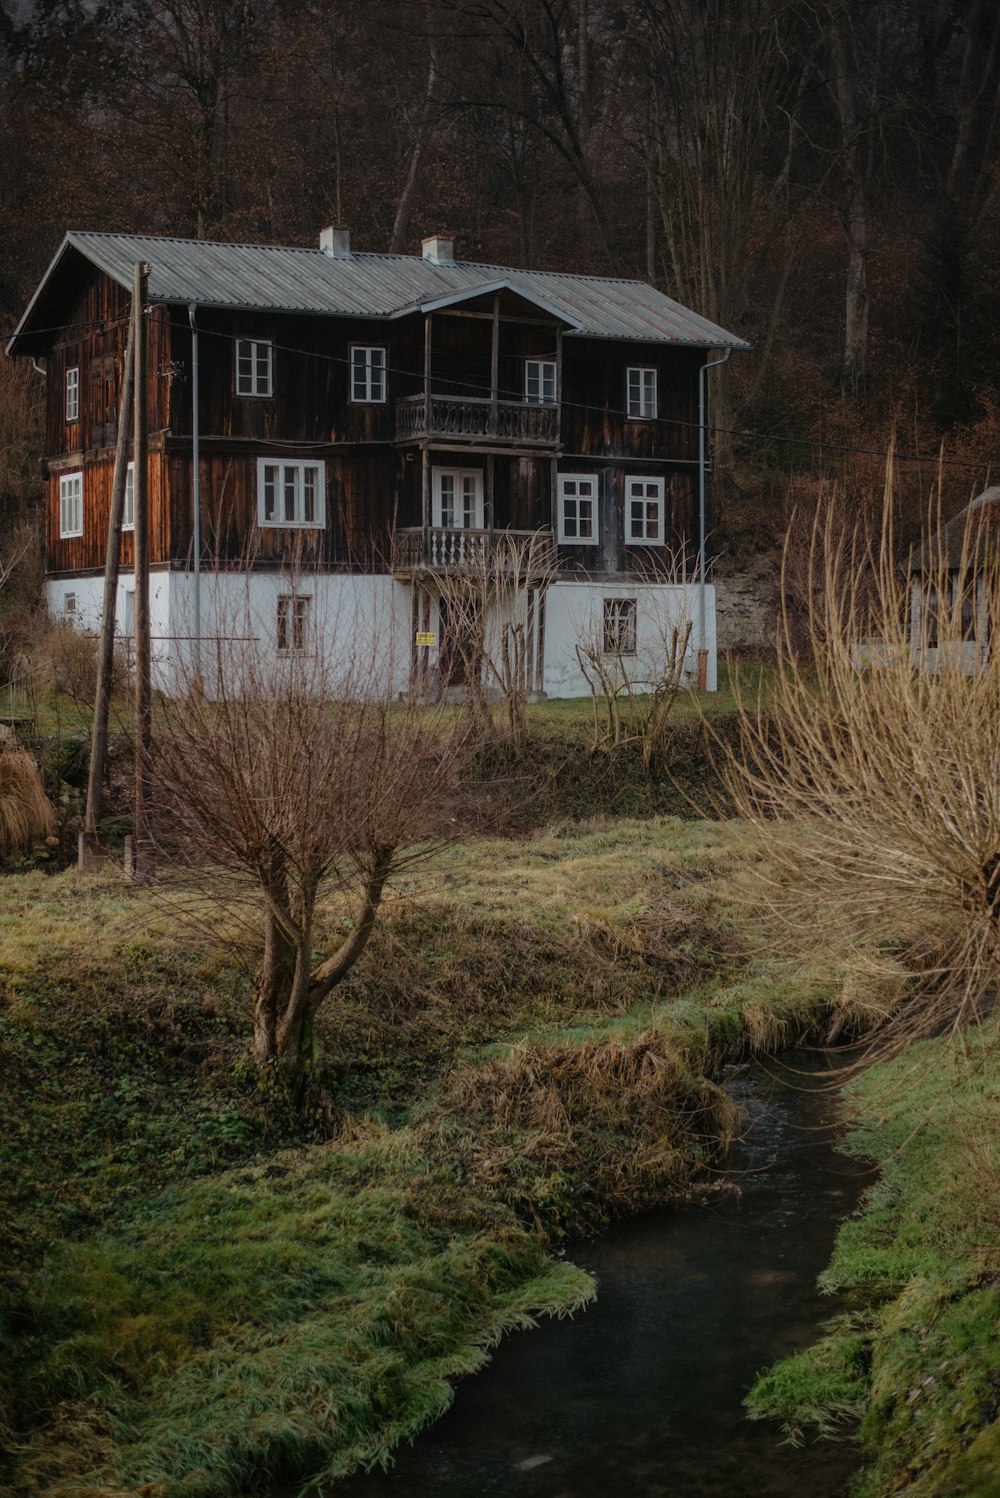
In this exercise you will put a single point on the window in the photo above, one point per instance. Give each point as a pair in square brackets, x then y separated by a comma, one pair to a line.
[644, 512]
[641, 393]
[253, 367]
[128, 622]
[578, 509]
[69, 605]
[458, 499]
[619, 626]
[367, 373]
[128, 513]
[291, 494]
[293, 623]
[71, 505]
[73, 393]
[540, 382]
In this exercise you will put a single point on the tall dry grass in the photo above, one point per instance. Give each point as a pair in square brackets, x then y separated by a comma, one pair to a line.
[871, 774]
[25, 813]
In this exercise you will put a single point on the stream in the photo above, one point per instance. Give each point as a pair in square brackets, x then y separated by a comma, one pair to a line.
[641, 1395]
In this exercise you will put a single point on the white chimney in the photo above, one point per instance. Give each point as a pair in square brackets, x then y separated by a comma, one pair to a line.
[438, 249]
[336, 241]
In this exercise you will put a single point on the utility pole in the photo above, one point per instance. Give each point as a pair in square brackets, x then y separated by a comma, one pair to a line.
[89, 850]
[142, 843]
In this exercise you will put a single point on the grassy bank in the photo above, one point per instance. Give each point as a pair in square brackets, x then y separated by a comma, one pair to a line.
[914, 1364]
[206, 1290]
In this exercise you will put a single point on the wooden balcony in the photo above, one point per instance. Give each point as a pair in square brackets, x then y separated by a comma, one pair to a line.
[473, 419]
[436, 550]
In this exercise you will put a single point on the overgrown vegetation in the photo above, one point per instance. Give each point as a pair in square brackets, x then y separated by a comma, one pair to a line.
[916, 1358]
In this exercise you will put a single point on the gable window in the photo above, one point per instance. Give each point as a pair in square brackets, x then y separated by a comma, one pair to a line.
[540, 382]
[367, 374]
[73, 393]
[620, 626]
[71, 505]
[293, 623]
[128, 513]
[578, 509]
[457, 499]
[253, 367]
[644, 512]
[291, 493]
[641, 393]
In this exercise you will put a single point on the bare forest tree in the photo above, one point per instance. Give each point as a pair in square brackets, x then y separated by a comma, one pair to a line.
[297, 783]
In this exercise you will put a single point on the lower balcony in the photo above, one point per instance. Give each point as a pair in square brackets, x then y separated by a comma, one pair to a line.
[418, 551]
[477, 419]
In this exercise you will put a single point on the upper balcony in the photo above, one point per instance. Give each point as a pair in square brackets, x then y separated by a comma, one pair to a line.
[477, 419]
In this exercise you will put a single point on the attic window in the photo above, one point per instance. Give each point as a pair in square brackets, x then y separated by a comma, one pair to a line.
[253, 367]
[641, 393]
[367, 374]
[73, 393]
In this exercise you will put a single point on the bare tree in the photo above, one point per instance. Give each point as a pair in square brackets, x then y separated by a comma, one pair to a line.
[492, 606]
[297, 781]
[633, 657]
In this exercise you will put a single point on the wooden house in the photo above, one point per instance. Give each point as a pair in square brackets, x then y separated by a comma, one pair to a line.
[371, 421]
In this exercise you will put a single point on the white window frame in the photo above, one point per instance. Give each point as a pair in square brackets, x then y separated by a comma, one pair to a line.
[254, 381]
[295, 472]
[128, 503]
[637, 529]
[458, 476]
[612, 611]
[71, 505]
[73, 392]
[640, 392]
[570, 496]
[368, 379]
[544, 380]
[69, 606]
[294, 611]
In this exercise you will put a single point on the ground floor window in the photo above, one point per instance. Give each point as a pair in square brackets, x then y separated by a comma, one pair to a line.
[69, 605]
[291, 493]
[578, 509]
[620, 626]
[293, 623]
[71, 505]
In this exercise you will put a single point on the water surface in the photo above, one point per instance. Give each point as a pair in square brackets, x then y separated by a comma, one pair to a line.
[641, 1395]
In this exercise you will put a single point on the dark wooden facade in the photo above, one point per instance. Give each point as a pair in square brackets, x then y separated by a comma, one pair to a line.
[378, 457]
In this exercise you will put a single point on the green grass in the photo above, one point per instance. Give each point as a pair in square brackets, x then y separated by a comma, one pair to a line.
[917, 1359]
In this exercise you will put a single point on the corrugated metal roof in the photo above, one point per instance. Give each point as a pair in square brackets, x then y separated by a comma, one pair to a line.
[283, 278]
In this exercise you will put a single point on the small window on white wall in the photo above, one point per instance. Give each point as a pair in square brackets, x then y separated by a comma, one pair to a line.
[291, 493]
[128, 513]
[293, 623]
[71, 505]
[641, 393]
[73, 393]
[128, 621]
[644, 512]
[253, 367]
[578, 509]
[620, 626]
[69, 605]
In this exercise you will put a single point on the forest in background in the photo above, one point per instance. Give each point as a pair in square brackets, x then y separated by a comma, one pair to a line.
[819, 176]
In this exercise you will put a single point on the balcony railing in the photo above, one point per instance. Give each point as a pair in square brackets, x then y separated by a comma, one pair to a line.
[477, 419]
[439, 550]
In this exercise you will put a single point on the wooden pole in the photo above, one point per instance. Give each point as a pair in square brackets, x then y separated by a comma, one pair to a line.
[142, 845]
[89, 851]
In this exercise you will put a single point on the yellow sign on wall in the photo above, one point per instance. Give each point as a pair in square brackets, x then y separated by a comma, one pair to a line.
[426, 637]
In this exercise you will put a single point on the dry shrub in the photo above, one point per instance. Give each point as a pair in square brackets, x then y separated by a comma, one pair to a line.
[871, 775]
[63, 660]
[25, 813]
[608, 1126]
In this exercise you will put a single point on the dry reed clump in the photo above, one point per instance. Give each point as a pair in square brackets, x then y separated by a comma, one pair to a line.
[572, 1135]
[25, 812]
[870, 776]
